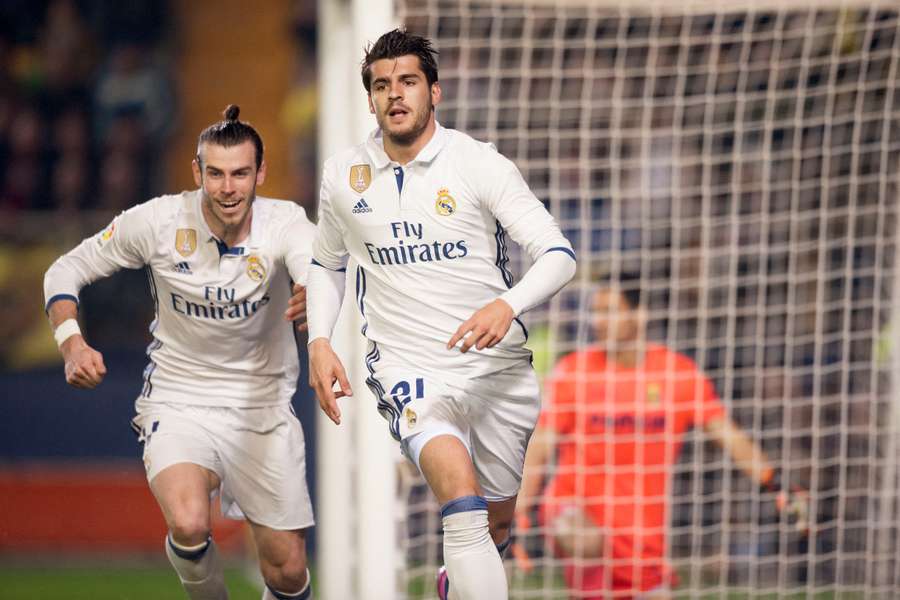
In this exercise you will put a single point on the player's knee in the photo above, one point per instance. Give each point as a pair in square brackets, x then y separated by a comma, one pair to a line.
[189, 528]
[288, 576]
[465, 522]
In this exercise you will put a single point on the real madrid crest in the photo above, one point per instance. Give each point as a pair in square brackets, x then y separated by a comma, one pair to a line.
[255, 268]
[445, 204]
[360, 178]
[185, 241]
[411, 417]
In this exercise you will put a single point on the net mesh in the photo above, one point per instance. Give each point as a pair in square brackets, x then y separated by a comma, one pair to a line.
[745, 163]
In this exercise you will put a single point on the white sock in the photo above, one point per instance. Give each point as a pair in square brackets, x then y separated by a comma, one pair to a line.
[304, 594]
[199, 569]
[474, 567]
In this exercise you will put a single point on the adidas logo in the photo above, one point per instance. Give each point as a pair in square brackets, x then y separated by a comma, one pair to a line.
[182, 267]
[361, 207]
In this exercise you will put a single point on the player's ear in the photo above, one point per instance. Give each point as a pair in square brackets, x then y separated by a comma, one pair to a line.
[198, 175]
[371, 104]
[261, 173]
[435, 93]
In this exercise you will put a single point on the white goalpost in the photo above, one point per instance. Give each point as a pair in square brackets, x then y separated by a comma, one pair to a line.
[743, 158]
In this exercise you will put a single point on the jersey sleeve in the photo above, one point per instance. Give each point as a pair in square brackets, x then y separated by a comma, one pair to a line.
[559, 410]
[703, 403]
[297, 238]
[329, 250]
[518, 210]
[126, 243]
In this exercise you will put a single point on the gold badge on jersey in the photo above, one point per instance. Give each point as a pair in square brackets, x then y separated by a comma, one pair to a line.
[445, 204]
[185, 241]
[411, 417]
[255, 268]
[360, 178]
[653, 394]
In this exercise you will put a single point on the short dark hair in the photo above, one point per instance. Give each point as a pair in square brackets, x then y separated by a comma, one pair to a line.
[626, 283]
[395, 44]
[230, 132]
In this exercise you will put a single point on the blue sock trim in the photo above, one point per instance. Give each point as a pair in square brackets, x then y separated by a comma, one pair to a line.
[304, 595]
[463, 504]
[502, 546]
[189, 554]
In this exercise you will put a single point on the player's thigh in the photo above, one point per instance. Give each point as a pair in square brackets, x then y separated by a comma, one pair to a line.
[503, 411]
[181, 464]
[263, 454]
[447, 467]
[280, 551]
[182, 491]
[425, 414]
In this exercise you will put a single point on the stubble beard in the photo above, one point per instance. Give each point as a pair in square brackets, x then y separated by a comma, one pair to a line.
[408, 138]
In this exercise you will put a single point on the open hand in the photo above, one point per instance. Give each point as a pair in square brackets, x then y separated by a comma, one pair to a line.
[324, 369]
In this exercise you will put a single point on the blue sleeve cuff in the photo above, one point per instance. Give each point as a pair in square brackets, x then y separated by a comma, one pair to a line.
[562, 249]
[60, 297]
[318, 264]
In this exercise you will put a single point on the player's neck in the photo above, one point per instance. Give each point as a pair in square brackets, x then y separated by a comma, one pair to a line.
[627, 357]
[230, 234]
[404, 153]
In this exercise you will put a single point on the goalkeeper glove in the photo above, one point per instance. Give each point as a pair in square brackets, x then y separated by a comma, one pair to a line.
[793, 503]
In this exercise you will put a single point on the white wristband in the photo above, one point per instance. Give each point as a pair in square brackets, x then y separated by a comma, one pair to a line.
[65, 330]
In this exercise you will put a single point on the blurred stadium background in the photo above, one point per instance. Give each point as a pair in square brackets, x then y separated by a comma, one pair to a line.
[743, 156]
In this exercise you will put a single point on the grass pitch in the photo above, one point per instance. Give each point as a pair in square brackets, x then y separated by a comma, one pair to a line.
[112, 583]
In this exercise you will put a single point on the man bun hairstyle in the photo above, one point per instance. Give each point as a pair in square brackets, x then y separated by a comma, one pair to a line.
[231, 131]
[395, 44]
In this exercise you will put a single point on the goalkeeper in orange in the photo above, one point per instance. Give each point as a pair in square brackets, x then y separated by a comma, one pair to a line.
[614, 419]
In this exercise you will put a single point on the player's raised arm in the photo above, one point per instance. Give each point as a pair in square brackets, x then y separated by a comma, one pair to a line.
[120, 245]
[84, 366]
[751, 459]
[530, 225]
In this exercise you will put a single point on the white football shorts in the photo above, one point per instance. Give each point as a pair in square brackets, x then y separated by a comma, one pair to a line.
[493, 415]
[259, 455]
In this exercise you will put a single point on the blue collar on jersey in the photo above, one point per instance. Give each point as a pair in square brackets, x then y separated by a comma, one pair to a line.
[224, 249]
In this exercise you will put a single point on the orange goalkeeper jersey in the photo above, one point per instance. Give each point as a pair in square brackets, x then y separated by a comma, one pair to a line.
[620, 431]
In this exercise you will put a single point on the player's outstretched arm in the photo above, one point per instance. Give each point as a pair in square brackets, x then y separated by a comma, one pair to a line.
[84, 366]
[749, 457]
[324, 369]
[485, 328]
[296, 310]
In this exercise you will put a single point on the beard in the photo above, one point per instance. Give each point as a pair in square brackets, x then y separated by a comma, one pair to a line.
[407, 138]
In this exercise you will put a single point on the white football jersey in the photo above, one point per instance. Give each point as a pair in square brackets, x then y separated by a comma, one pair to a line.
[430, 242]
[219, 337]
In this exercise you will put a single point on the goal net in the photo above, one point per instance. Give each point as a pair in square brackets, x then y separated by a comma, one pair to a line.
[743, 160]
